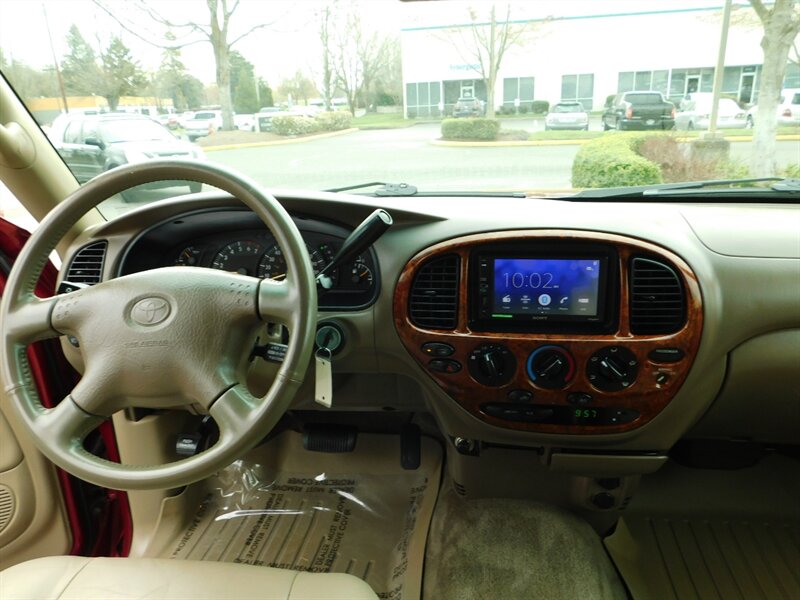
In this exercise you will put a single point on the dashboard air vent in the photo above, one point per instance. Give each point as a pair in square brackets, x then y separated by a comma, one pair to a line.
[87, 264]
[657, 303]
[434, 294]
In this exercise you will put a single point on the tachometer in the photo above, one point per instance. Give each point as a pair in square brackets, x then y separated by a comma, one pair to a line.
[239, 257]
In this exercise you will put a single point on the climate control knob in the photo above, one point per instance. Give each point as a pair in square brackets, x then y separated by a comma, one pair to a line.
[492, 364]
[612, 369]
[550, 367]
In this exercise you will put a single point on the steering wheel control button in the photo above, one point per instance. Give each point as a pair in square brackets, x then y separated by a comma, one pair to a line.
[612, 369]
[520, 396]
[666, 355]
[492, 364]
[437, 349]
[662, 378]
[444, 366]
[579, 398]
[550, 367]
[150, 311]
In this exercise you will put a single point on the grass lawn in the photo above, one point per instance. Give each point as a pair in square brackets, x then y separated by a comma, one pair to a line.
[383, 121]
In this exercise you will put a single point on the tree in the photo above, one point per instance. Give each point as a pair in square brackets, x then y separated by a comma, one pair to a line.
[172, 80]
[265, 93]
[299, 87]
[327, 70]
[357, 57]
[486, 45]
[214, 29]
[81, 72]
[122, 76]
[781, 22]
[243, 84]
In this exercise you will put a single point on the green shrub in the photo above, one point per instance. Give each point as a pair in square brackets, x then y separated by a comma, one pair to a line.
[412, 114]
[792, 171]
[470, 129]
[613, 161]
[334, 121]
[523, 109]
[294, 125]
[539, 107]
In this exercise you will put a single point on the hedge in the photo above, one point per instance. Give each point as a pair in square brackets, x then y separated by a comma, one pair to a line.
[334, 121]
[470, 129]
[294, 125]
[613, 161]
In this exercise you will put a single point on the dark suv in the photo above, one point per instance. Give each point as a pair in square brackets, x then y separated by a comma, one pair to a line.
[92, 144]
[468, 107]
[639, 110]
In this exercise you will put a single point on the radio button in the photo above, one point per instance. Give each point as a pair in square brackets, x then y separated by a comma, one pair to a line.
[579, 398]
[520, 396]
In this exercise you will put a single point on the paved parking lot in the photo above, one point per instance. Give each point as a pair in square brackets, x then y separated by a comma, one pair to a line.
[407, 156]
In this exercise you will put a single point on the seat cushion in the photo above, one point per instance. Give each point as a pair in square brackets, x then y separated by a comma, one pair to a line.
[79, 578]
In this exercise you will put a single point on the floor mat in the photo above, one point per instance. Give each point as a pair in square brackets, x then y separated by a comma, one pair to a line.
[285, 507]
[683, 559]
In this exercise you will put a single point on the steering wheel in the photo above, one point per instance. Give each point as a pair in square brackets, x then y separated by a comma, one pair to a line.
[173, 337]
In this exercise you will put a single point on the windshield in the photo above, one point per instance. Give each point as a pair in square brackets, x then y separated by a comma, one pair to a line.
[405, 92]
[133, 130]
[566, 108]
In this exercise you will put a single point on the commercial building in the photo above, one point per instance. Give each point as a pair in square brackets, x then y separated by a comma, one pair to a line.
[586, 58]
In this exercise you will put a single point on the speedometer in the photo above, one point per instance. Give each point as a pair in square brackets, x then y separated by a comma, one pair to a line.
[239, 257]
[273, 264]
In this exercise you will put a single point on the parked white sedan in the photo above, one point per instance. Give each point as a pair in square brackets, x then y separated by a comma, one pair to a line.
[567, 115]
[788, 111]
[697, 115]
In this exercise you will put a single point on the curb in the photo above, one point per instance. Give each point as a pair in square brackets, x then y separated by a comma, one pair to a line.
[299, 140]
[790, 137]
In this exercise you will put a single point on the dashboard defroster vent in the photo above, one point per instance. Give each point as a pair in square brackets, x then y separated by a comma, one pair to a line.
[433, 301]
[87, 264]
[657, 302]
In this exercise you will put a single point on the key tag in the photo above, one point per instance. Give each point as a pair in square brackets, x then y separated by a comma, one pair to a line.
[323, 391]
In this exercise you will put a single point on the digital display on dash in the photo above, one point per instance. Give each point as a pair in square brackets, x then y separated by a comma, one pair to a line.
[542, 287]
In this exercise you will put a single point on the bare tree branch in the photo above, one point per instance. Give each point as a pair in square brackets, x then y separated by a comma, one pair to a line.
[761, 10]
[248, 32]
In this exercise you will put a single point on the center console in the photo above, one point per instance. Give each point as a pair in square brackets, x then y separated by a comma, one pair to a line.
[552, 331]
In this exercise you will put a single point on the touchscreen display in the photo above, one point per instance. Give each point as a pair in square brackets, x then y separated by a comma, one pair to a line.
[546, 287]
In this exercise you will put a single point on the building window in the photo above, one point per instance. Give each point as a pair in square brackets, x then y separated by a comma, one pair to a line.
[455, 89]
[422, 99]
[579, 88]
[687, 81]
[792, 77]
[518, 88]
[643, 81]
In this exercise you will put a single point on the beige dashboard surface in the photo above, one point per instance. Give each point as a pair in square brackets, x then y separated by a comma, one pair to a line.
[764, 231]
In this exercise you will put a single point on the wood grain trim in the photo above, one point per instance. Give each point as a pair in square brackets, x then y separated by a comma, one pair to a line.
[646, 395]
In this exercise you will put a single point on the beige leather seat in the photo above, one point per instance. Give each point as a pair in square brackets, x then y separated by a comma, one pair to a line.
[79, 578]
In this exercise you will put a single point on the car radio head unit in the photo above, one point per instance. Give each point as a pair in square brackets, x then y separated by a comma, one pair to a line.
[533, 288]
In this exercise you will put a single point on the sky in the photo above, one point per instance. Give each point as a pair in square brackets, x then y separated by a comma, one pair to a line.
[289, 44]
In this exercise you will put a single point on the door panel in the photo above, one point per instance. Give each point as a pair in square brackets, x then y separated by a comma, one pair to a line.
[33, 517]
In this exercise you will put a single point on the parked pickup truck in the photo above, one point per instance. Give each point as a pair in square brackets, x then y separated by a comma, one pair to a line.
[639, 110]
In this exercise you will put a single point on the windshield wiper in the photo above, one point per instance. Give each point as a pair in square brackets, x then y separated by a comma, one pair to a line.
[404, 189]
[783, 185]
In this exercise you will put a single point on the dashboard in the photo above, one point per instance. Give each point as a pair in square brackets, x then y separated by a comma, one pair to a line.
[236, 240]
[524, 322]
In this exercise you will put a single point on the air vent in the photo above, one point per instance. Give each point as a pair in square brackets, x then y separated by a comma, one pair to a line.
[657, 302]
[87, 264]
[434, 294]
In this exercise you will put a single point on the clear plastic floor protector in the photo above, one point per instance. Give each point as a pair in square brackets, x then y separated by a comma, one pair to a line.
[285, 507]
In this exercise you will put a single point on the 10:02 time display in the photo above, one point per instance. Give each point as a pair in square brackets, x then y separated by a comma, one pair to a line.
[532, 280]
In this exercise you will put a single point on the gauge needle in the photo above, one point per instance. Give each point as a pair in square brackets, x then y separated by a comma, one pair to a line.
[279, 276]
